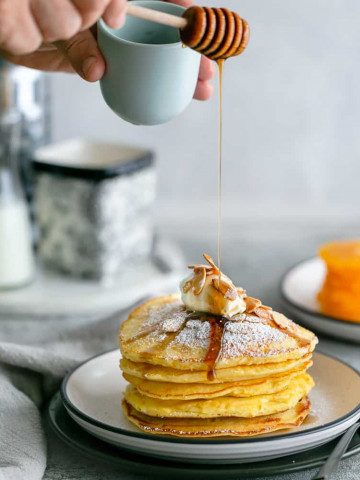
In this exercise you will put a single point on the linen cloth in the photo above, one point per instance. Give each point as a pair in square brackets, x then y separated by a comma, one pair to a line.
[34, 356]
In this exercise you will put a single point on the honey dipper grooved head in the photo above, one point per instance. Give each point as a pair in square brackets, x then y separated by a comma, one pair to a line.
[216, 33]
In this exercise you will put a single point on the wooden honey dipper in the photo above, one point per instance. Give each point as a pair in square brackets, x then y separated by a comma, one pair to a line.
[216, 33]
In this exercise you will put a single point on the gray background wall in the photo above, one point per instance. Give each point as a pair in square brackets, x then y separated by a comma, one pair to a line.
[291, 120]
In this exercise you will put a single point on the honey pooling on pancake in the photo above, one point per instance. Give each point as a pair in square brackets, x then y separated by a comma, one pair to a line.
[216, 33]
[199, 374]
[216, 335]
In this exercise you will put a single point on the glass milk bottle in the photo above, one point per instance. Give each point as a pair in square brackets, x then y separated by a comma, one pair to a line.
[16, 256]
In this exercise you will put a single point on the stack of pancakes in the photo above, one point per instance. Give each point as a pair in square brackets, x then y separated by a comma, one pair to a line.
[197, 375]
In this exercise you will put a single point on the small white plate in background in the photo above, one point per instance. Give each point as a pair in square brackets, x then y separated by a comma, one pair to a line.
[299, 288]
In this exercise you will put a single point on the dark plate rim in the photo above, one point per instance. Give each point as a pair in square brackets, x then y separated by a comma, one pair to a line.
[308, 311]
[162, 438]
[223, 468]
[140, 162]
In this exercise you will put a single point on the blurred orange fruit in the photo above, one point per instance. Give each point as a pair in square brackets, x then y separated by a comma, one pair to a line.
[340, 294]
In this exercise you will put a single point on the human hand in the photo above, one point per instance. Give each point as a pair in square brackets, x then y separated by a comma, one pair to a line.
[56, 35]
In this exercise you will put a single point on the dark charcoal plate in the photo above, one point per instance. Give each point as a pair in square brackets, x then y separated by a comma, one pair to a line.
[76, 437]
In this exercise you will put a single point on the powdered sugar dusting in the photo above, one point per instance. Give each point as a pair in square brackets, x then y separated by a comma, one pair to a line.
[169, 317]
[243, 335]
[250, 339]
[196, 334]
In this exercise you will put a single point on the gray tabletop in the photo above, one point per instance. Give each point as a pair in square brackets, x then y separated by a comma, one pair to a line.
[255, 259]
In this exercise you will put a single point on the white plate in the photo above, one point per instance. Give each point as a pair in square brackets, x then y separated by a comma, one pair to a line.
[55, 295]
[92, 395]
[299, 288]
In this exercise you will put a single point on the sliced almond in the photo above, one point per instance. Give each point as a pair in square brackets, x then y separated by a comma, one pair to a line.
[196, 267]
[290, 327]
[187, 286]
[199, 280]
[263, 313]
[211, 262]
[251, 304]
[228, 291]
[231, 293]
[266, 307]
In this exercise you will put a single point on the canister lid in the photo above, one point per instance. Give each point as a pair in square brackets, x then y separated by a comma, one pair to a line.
[91, 159]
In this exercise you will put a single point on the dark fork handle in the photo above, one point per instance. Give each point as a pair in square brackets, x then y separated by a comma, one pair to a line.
[336, 455]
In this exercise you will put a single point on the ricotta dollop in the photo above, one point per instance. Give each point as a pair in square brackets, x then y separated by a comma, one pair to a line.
[210, 291]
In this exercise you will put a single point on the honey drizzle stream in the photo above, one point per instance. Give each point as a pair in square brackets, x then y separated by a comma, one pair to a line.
[217, 325]
[220, 64]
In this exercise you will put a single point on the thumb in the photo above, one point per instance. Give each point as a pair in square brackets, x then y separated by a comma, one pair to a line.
[84, 55]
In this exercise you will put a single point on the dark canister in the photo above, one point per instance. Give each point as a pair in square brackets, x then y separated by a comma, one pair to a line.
[94, 206]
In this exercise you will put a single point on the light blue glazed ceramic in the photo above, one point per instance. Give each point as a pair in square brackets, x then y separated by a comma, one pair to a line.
[150, 78]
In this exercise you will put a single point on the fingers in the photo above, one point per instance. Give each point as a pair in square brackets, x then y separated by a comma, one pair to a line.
[56, 19]
[206, 71]
[113, 12]
[203, 91]
[26, 24]
[19, 33]
[61, 19]
[182, 3]
[84, 55]
[50, 60]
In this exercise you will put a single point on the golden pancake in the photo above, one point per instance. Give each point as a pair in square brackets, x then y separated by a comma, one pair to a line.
[190, 391]
[241, 373]
[162, 332]
[247, 407]
[219, 427]
[215, 363]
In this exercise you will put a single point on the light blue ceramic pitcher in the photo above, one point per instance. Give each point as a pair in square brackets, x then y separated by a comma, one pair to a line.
[150, 77]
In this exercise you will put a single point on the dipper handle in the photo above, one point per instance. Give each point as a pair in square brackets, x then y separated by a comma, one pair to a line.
[156, 16]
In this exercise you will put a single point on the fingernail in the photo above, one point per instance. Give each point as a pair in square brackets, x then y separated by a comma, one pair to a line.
[88, 65]
[117, 22]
